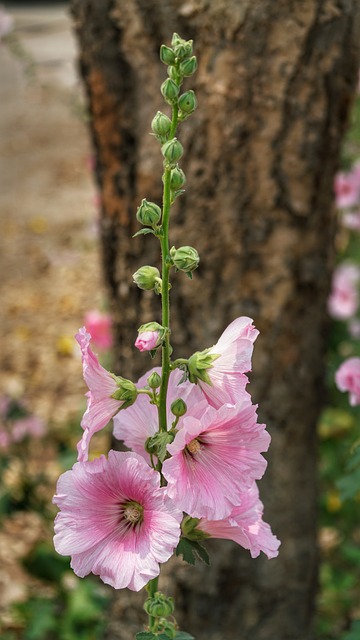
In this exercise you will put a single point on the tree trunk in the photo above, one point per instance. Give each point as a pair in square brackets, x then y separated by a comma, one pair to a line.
[274, 86]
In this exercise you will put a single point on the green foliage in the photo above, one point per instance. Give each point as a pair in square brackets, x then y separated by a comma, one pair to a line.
[191, 550]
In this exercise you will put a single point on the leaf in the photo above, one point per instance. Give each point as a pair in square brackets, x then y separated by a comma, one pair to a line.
[182, 635]
[143, 232]
[354, 632]
[349, 486]
[191, 551]
[146, 635]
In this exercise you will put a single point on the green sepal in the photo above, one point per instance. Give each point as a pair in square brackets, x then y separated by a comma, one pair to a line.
[189, 530]
[153, 353]
[189, 275]
[199, 363]
[191, 550]
[176, 194]
[144, 232]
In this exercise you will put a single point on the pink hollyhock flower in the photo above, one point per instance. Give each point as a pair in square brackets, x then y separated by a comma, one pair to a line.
[141, 420]
[147, 340]
[245, 526]
[346, 187]
[115, 520]
[343, 301]
[215, 458]
[28, 426]
[102, 385]
[234, 347]
[347, 378]
[99, 326]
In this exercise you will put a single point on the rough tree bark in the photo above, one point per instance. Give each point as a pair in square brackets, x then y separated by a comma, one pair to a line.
[274, 86]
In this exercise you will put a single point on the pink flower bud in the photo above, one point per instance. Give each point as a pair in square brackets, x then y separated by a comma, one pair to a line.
[147, 340]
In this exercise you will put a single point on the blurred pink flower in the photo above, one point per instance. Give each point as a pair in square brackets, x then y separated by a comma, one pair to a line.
[343, 301]
[115, 520]
[99, 325]
[354, 328]
[245, 526]
[147, 340]
[351, 220]
[347, 189]
[235, 347]
[141, 421]
[215, 457]
[347, 378]
[30, 426]
[102, 385]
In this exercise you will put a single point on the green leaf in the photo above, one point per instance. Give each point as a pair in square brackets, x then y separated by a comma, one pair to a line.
[143, 232]
[191, 550]
[182, 635]
[354, 633]
[146, 635]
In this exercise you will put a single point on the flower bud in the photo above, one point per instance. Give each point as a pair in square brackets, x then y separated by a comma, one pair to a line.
[183, 49]
[148, 213]
[145, 277]
[150, 336]
[161, 125]
[187, 102]
[154, 380]
[167, 56]
[176, 39]
[170, 90]
[174, 74]
[127, 391]
[159, 606]
[172, 151]
[177, 179]
[188, 67]
[199, 363]
[185, 258]
[178, 407]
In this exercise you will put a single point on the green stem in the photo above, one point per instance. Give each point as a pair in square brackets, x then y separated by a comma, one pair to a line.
[165, 297]
[152, 588]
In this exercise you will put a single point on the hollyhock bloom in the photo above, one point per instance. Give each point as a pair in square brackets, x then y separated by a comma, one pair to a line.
[227, 373]
[147, 340]
[245, 526]
[141, 421]
[115, 520]
[347, 378]
[99, 326]
[102, 385]
[343, 301]
[346, 187]
[215, 458]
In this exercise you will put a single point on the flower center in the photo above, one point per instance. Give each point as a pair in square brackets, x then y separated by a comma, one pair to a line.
[194, 446]
[133, 512]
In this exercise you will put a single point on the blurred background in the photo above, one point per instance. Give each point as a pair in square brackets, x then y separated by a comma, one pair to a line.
[51, 281]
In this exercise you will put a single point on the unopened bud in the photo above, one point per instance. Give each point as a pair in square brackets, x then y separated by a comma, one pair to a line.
[184, 49]
[161, 125]
[188, 67]
[187, 102]
[177, 179]
[159, 605]
[126, 392]
[170, 90]
[185, 258]
[167, 56]
[148, 213]
[178, 407]
[146, 277]
[154, 380]
[172, 151]
[176, 39]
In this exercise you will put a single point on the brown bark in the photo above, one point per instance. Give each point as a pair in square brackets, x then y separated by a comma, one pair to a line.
[274, 86]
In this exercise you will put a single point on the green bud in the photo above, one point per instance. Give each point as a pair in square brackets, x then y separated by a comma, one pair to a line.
[148, 213]
[126, 392]
[170, 90]
[172, 151]
[154, 380]
[145, 277]
[198, 365]
[161, 126]
[188, 67]
[178, 407]
[177, 179]
[159, 606]
[187, 102]
[167, 56]
[183, 49]
[174, 74]
[176, 39]
[185, 258]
